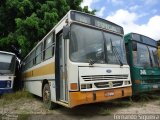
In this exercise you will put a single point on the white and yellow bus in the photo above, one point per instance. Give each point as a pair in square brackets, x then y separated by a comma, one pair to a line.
[80, 61]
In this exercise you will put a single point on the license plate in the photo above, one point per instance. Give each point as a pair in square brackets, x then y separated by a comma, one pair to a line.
[155, 86]
[108, 93]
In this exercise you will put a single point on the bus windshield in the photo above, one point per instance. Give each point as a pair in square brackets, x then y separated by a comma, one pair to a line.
[115, 51]
[144, 56]
[7, 63]
[90, 44]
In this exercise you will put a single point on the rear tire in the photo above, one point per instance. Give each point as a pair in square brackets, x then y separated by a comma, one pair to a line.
[47, 97]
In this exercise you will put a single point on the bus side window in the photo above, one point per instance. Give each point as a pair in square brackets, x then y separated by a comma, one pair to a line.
[48, 47]
[38, 54]
[32, 61]
[27, 63]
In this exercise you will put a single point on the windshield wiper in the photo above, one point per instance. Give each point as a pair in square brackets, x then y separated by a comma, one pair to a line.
[99, 56]
[91, 61]
[114, 49]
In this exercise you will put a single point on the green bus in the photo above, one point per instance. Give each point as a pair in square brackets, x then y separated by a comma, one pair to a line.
[141, 52]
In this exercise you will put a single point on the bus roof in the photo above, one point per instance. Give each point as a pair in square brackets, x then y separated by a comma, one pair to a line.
[140, 38]
[5, 52]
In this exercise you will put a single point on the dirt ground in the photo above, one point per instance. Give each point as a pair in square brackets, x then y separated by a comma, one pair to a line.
[33, 108]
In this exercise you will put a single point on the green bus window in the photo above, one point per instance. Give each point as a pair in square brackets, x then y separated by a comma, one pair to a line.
[154, 56]
[127, 53]
[141, 56]
[134, 46]
[134, 52]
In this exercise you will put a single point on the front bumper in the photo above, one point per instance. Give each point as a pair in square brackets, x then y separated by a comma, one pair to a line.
[2, 91]
[79, 98]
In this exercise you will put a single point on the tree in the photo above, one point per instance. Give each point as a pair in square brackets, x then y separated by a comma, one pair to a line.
[23, 23]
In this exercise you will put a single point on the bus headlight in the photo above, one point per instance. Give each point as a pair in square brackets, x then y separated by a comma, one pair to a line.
[126, 82]
[89, 86]
[86, 86]
[83, 86]
[8, 84]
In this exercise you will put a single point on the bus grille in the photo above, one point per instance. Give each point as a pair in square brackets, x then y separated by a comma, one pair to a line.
[106, 84]
[117, 83]
[104, 77]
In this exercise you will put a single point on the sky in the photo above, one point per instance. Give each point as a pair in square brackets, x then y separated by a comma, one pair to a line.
[139, 16]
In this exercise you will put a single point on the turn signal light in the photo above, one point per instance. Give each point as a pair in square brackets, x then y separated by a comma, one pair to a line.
[73, 86]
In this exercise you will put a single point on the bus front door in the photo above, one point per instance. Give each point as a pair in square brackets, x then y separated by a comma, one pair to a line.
[63, 70]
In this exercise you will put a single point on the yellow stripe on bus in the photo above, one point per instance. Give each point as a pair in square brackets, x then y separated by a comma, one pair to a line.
[44, 70]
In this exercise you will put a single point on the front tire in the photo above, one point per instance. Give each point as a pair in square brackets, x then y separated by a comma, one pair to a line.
[47, 97]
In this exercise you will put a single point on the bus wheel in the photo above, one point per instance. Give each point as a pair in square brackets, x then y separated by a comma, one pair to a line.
[47, 97]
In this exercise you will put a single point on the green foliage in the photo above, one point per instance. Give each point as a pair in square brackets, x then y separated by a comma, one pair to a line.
[85, 9]
[17, 95]
[23, 117]
[25, 22]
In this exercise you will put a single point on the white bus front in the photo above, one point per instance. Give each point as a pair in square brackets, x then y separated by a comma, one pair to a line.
[7, 71]
[97, 68]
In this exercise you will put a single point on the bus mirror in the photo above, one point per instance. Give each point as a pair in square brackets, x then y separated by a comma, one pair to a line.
[66, 30]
